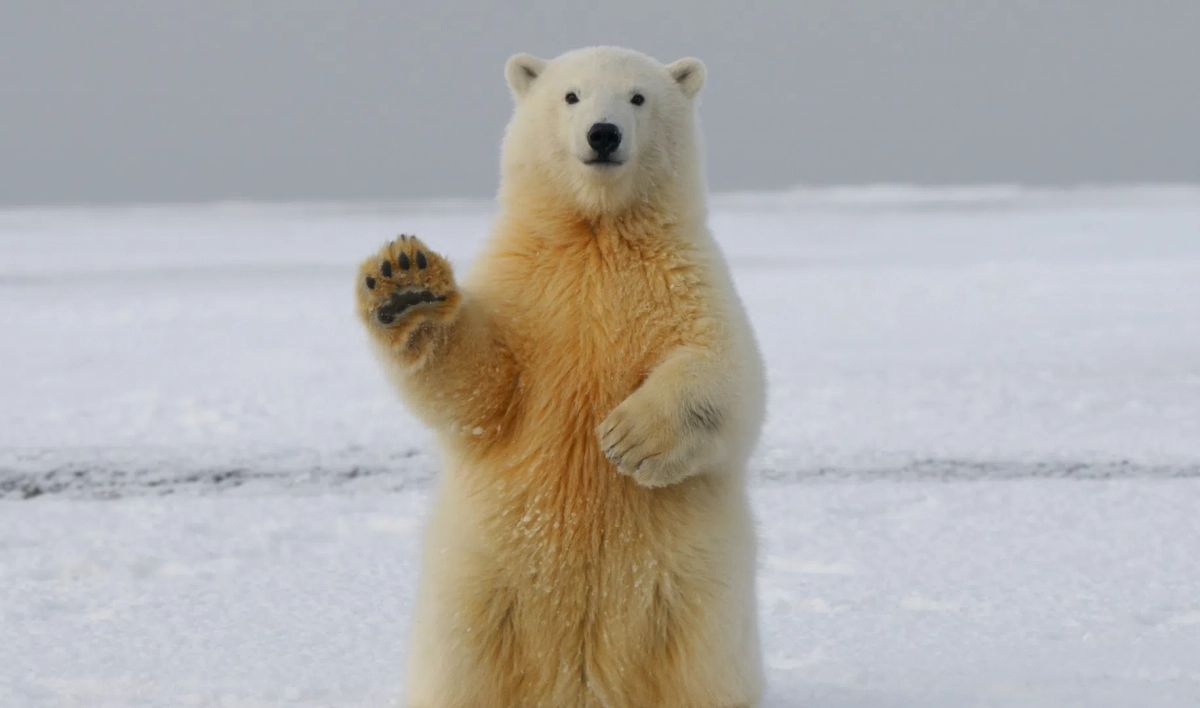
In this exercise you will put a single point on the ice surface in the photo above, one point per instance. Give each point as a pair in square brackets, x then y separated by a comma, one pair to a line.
[1032, 593]
[977, 485]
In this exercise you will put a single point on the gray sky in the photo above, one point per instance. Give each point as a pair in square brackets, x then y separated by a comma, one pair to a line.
[105, 101]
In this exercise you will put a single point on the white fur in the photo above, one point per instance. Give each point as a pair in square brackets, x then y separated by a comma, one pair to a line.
[599, 318]
[547, 137]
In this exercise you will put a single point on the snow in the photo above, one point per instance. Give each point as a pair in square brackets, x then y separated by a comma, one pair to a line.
[977, 485]
[998, 593]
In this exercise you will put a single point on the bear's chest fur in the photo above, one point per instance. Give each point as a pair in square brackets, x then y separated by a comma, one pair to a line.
[596, 311]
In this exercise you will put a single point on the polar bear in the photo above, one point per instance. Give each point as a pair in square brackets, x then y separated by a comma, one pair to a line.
[596, 389]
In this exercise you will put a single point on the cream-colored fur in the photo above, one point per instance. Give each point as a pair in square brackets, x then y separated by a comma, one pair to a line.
[596, 390]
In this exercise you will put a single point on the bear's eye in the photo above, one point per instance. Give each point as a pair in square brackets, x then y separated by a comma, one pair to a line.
[572, 98]
[638, 99]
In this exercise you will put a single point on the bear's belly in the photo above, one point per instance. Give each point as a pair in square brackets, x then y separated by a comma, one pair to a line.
[589, 590]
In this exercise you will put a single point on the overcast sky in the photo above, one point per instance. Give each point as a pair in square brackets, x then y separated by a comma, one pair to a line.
[105, 101]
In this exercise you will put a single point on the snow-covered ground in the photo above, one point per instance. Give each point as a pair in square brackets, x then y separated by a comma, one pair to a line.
[979, 483]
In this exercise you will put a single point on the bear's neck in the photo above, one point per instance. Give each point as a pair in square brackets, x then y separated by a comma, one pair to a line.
[672, 209]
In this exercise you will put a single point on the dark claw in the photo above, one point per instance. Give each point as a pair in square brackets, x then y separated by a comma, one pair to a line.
[421, 262]
[386, 269]
[370, 283]
[404, 263]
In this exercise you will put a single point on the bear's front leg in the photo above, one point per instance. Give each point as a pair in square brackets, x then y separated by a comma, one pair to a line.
[441, 347]
[675, 425]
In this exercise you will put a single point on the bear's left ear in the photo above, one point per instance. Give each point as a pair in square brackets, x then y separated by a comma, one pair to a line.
[521, 71]
[689, 74]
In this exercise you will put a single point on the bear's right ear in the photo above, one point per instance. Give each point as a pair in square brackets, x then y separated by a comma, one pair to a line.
[521, 71]
[689, 74]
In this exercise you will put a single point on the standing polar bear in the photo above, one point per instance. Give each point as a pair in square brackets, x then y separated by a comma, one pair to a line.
[596, 390]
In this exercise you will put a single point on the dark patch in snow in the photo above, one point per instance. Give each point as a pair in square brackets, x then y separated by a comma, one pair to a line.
[415, 469]
[29, 474]
[965, 470]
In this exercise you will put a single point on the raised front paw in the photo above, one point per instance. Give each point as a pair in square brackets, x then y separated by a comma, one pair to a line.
[404, 285]
[648, 442]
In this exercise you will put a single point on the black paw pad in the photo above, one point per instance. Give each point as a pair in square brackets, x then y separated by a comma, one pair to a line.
[386, 269]
[404, 262]
[401, 301]
[370, 283]
[421, 262]
[408, 298]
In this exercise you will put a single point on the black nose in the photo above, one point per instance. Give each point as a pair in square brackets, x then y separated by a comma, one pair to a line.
[604, 138]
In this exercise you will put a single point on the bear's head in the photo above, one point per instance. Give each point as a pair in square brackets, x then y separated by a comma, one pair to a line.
[602, 129]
